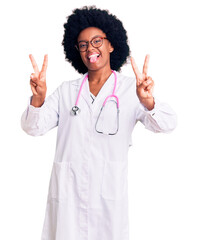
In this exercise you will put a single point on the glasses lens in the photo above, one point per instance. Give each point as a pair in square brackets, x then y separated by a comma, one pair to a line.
[82, 46]
[97, 42]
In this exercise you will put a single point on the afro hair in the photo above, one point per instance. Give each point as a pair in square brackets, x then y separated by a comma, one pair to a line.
[102, 19]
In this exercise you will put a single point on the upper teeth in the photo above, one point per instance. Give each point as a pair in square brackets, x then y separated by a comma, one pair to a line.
[93, 55]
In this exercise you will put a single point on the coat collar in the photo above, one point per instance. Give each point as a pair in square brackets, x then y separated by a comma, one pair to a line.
[106, 90]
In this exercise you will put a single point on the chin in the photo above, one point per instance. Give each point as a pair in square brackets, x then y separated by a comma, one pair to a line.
[96, 67]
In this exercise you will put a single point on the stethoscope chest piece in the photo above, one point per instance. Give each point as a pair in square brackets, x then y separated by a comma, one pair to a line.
[75, 111]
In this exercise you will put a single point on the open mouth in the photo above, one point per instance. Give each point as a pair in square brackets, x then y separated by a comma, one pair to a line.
[94, 57]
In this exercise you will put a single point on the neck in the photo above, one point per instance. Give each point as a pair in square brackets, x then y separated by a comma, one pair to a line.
[99, 76]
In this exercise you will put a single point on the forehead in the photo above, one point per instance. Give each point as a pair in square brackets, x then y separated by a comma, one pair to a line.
[90, 32]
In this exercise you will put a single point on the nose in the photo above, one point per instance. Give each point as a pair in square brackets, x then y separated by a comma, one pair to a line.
[89, 46]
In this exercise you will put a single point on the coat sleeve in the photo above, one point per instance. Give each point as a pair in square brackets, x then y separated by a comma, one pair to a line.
[36, 121]
[160, 119]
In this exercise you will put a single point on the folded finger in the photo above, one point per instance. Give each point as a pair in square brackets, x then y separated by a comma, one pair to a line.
[146, 83]
[34, 78]
[149, 87]
[33, 83]
[33, 89]
[152, 83]
[149, 80]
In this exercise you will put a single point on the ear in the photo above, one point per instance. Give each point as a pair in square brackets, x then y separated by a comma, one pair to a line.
[111, 49]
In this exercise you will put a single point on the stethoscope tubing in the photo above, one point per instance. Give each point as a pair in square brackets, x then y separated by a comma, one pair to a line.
[76, 110]
[112, 95]
[85, 78]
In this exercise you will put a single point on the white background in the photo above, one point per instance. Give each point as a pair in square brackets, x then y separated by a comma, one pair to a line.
[163, 178]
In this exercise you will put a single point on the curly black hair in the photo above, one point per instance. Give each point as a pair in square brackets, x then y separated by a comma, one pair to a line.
[102, 19]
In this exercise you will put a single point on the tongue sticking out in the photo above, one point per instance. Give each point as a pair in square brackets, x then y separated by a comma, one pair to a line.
[93, 58]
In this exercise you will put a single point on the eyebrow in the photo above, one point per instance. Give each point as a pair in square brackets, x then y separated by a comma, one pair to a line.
[91, 39]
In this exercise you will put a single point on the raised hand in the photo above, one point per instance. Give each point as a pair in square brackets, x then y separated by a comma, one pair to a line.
[144, 84]
[38, 82]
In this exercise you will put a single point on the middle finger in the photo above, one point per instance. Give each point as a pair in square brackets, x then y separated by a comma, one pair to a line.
[45, 63]
[34, 64]
[135, 69]
[145, 67]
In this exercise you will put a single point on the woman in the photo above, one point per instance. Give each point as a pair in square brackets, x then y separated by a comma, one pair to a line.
[88, 188]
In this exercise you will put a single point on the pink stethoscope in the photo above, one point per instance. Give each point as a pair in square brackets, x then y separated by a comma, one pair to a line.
[76, 110]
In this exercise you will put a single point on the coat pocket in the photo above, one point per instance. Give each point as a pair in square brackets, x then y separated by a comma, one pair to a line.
[58, 188]
[114, 182]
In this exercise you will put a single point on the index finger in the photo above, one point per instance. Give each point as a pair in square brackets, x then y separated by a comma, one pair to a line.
[35, 67]
[135, 68]
[145, 67]
[45, 62]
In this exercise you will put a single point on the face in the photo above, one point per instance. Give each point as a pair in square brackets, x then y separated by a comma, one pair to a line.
[103, 52]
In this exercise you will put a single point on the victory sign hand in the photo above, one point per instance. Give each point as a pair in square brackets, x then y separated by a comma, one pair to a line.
[144, 84]
[38, 81]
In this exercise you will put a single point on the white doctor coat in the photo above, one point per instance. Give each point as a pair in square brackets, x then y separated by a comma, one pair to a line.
[88, 193]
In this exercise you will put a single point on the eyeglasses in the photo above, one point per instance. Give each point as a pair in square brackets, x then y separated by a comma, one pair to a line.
[96, 42]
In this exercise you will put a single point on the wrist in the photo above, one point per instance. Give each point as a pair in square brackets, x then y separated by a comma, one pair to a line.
[148, 103]
[37, 101]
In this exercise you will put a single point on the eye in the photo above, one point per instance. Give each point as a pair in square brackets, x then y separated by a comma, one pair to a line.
[97, 41]
[82, 45]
